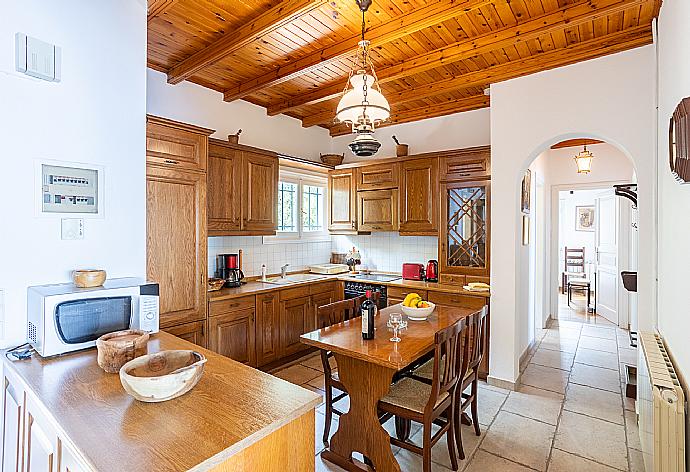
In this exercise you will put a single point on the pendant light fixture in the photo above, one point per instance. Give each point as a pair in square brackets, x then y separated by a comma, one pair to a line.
[362, 105]
[584, 161]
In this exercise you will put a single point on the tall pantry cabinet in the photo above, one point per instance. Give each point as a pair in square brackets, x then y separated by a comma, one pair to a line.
[176, 235]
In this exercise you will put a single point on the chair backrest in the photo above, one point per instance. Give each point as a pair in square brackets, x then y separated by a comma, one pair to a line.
[574, 259]
[337, 312]
[474, 340]
[447, 344]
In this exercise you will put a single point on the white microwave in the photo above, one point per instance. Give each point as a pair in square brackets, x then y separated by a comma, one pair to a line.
[64, 318]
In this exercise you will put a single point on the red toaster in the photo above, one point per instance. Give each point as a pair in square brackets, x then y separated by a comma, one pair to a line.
[413, 271]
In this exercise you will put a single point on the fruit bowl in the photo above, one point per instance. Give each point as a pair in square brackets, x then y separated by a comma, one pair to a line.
[418, 314]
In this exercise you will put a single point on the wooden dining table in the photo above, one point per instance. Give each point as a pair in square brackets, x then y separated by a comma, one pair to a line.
[366, 368]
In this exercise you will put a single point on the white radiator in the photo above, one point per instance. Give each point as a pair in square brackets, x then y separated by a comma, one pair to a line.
[661, 406]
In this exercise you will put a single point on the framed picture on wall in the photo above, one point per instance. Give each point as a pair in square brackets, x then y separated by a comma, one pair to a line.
[525, 193]
[584, 218]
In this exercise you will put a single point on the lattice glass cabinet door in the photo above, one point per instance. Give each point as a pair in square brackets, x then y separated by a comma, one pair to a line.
[466, 236]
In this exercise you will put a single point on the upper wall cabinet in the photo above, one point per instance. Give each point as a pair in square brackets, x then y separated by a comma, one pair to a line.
[342, 213]
[377, 177]
[242, 190]
[175, 144]
[419, 210]
[377, 210]
[466, 164]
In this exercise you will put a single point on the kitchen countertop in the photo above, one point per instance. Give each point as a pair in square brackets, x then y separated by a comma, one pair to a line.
[232, 407]
[255, 287]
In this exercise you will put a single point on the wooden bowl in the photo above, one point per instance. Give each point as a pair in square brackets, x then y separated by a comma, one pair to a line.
[215, 284]
[118, 348]
[162, 376]
[88, 278]
[332, 159]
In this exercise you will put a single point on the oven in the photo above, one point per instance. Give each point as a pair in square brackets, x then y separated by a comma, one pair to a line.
[357, 289]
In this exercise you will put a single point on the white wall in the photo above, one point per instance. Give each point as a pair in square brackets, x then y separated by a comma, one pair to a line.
[191, 103]
[528, 115]
[457, 131]
[674, 199]
[95, 115]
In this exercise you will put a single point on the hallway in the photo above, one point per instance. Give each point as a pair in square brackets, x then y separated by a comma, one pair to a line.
[569, 415]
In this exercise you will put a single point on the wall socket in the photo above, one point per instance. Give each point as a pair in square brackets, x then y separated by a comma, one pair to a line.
[72, 228]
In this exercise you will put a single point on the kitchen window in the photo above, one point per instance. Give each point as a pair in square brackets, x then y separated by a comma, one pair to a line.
[301, 208]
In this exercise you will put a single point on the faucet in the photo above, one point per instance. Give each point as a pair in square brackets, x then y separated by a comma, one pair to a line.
[283, 271]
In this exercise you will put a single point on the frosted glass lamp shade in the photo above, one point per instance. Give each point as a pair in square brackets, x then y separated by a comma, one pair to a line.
[584, 162]
[351, 106]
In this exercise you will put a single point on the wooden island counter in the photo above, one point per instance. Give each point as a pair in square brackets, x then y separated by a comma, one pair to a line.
[66, 414]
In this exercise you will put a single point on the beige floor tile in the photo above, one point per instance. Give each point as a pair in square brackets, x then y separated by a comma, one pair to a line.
[608, 360]
[439, 453]
[598, 344]
[632, 430]
[547, 378]
[558, 344]
[411, 462]
[488, 404]
[628, 356]
[592, 438]
[298, 374]
[487, 386]
[629, 403]
[564, 332]
[562, 461]
[486, 462]
[636, 461]
[520, 439]
[314, 362]
[599, 332]
[557, 359]
[542, 405]
[596, 377]
[594, 402]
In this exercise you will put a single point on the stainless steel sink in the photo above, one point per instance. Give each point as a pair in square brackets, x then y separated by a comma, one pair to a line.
[294, 278]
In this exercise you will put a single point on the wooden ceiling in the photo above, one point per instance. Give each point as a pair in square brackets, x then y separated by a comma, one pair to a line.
[432, 58]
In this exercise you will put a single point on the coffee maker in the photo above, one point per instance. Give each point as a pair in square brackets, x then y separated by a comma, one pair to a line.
[228, 269]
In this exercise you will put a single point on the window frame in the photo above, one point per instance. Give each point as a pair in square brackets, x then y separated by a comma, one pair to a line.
[302, 179]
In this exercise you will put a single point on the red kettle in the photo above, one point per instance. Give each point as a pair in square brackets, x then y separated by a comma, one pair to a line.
[432, 271]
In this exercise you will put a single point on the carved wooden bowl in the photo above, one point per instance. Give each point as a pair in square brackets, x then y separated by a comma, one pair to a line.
[118, 348]
[88, 278]
[215, 284]
[162, 376]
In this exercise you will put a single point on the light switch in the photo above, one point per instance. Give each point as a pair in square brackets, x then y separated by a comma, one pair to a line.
[72, 228]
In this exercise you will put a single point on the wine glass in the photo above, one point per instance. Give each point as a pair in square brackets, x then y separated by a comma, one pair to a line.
[395, 321]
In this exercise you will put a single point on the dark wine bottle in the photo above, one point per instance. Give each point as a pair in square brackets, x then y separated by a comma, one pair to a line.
[368, 310]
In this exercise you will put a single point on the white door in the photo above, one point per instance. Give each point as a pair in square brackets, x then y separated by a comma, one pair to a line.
[606, 241]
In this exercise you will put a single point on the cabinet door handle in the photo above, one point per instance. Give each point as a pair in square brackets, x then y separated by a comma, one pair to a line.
[171, 161]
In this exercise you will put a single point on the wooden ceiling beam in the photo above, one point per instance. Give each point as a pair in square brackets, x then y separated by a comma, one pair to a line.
[616, 42]
[456, 106]
[269, 21]
[391, 30]
[158, 7]
[570, 16]
[576, 143]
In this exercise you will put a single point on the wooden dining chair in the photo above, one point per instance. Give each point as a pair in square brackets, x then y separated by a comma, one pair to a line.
[328, 315]
[473, 345]
[573, 265]
[426, 403]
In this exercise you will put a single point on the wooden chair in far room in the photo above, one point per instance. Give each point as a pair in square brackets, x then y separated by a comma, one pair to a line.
[574, 265]
[413, 400]
[473, 345]
[328, 315]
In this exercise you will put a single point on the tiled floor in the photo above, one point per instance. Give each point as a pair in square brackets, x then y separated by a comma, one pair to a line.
[569, 414]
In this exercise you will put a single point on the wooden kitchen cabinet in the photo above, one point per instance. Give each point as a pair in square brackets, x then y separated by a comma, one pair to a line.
[175, 144]
[259, 193]
[194, 332]
[466, 164]
[419, 210]
[224, 188]
[233, 335]
[267, 328]
[342, 201]
[377, 210]
[176, 242]
[377, 176]
[296, 318]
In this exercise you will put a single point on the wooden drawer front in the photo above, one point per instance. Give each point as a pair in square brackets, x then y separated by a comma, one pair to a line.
[377, 177]
[377, 210]
[394, 301]
[453, 279]
[228, 306]
[453, 299]
[322, 287]
[193, 332]
[233, 334]
[175, 147]
[402, 292]
[295, 292]
[465, 168]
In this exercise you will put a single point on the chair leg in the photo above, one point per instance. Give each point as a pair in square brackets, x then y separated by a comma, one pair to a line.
[475, 415]
[426, 446]
[458, 428]
[450, 438]
[329, 414]
[402, 428]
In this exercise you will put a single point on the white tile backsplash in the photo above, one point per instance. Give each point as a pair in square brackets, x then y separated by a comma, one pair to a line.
[388, 251]
[255, 252]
